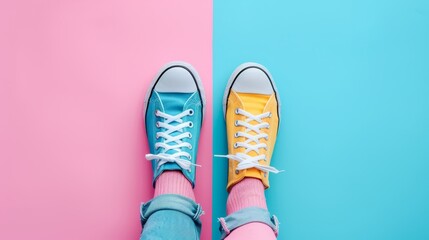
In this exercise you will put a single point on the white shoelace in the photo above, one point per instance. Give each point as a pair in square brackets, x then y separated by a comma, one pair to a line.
[163, 157]
[245, 161]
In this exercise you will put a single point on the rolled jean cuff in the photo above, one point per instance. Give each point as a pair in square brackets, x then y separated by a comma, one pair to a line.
[247, 215]
[171, 202]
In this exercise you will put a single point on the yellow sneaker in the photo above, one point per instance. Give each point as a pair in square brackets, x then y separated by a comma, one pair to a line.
[251, 109]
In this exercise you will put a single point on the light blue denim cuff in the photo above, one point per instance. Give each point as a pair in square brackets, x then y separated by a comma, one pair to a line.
[171, 202]
[247, 215]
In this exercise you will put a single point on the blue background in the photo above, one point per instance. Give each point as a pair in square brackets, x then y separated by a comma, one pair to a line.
[353, 78]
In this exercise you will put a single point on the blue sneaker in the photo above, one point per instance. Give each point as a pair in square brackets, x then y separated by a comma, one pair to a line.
[174, 110]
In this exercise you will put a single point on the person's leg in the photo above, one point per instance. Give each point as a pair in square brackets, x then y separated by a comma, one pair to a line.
[253, 230]
[170, 217]
[173, 182]
[251, 109]
[174, 109]
[249, 192]
[178, 224]
[169, 224]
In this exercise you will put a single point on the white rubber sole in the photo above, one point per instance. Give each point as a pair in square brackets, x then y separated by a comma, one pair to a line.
[234, 75]
[185, 65]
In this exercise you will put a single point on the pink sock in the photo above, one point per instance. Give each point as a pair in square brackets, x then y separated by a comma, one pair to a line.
[173, 182]
[249, 192]
[253, 230]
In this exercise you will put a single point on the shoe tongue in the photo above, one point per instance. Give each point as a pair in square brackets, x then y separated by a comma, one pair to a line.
[173, 104]
[254, 103]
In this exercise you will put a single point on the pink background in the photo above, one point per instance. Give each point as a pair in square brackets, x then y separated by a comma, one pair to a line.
[72, 80]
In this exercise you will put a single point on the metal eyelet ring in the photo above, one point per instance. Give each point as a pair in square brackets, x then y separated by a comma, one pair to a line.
[190, 157]
[236, 135]
[191, 124]
[157, 124]
[189, 135]
[190, 146]
[266, 138]
[236, 111]
[237, 171]
[156, 112]
[236, 123]
[270, 115]
[191, 112]
[156, 136]
[235, 145]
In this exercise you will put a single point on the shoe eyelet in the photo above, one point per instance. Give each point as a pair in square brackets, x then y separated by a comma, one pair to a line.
[156, 112]
[191, 125]
[236, 135]
[237, 171]
[236, 111]
[191, 112]
[156, 136]
[236, 123]
[235, 145]
[190, 157]
[157, 124]
[270, 115]
[266, 138]
[268, 127]
[189, 135]
[190, 146]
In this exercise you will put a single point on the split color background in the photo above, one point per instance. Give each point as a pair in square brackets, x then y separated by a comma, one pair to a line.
[353, 78]
[354, 83]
